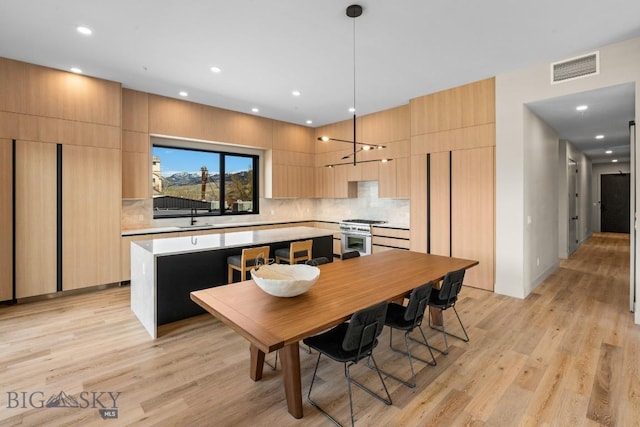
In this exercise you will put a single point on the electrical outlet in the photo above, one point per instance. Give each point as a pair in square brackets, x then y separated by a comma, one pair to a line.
[538, 262]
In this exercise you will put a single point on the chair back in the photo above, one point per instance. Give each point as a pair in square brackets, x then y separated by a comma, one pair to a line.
[418, 302]
[318, 261]
[260, 255]
[296, 249]
[352, 254]
[364, 327]
[451, 286]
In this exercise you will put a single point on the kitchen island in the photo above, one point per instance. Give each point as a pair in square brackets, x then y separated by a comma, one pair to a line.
[165, 271]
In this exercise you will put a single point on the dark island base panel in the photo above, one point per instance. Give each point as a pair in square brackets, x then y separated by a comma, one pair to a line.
[178, 275]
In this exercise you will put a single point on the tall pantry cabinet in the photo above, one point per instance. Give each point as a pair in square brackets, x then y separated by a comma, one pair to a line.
[60, 180]
[453, 170]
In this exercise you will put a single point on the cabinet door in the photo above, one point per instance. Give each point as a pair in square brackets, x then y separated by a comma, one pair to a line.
[6, 219]
[472, 211]
[91, 221]
[440, 203]
[36, 218]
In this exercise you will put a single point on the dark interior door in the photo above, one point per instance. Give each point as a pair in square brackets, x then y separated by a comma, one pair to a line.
[614, 207]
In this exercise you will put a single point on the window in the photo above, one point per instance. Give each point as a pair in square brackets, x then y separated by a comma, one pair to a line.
[197, 182]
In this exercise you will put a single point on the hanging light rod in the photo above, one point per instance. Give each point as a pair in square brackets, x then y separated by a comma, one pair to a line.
[364, 144]
[359, 161]
[354, 11]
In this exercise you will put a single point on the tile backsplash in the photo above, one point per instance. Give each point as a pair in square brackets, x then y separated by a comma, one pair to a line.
[139, 213]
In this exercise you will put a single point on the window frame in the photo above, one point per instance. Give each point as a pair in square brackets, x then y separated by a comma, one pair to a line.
[214, 149]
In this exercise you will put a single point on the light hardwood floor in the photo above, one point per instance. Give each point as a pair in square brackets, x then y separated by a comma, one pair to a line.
[568, 355]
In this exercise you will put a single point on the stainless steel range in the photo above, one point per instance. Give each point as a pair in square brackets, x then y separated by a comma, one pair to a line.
[356, 235]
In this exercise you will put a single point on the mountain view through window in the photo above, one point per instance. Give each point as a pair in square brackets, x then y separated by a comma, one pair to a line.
[188, 182]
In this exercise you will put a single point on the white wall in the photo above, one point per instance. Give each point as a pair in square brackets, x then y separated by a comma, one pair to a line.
[619, 63]
[540, 199]
[568, 151]
[597, 171]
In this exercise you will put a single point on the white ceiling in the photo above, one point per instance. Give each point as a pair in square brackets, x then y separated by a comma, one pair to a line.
[266, 49]
[610, 110]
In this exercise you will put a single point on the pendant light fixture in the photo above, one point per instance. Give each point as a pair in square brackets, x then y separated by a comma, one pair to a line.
[354, 11]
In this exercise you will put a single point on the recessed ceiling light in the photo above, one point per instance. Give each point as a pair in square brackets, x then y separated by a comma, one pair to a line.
[85, 31]
[614, 161]
[582, 107]
[296, 93]
[352, 110]
[599, 136]
[183, 93]
[309, 122]
[608, 152]
[216, 69]
[255, 109]
[76, 70]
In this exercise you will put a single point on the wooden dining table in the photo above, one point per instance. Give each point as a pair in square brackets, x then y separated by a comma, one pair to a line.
[271, 323]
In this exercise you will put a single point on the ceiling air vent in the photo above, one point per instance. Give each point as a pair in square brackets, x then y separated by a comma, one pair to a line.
[575, 68]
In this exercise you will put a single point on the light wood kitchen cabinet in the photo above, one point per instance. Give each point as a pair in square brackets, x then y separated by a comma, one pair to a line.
[362, 172]
[91, 220]
[136, 165]
[6, 219]
[291, 181]
[394, 179]
[342, 187]
[440, 203]
[135, 111]
[385, 238]
[36, 218]
[45, 92]
[457, 108]
[453, 176]
[472, 212]
[136, 151]
[174, 117]
[291, 162]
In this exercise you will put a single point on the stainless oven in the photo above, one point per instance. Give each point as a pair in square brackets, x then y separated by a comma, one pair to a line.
[356, 235]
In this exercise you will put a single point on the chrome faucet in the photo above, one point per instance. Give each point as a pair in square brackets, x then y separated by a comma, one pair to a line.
[194, 212]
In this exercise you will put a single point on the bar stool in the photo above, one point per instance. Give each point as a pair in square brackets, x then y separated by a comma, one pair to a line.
[246, 260]
[297, 251]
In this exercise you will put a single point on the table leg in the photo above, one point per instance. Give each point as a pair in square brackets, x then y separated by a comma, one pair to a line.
[257, 363]
[290, 355]
[436, 316]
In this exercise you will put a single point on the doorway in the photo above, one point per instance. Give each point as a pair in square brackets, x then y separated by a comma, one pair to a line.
[615, 202]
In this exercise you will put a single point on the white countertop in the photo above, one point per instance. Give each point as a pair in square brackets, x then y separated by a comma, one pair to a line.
[187, 228]
[208, 242]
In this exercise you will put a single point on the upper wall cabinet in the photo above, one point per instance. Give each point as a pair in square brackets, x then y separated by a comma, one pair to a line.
[386, 126]
[136, 160]
[135, 111]
[291, 162]
[174, 117]
[292, 137]
[463, 106]
[40, 91]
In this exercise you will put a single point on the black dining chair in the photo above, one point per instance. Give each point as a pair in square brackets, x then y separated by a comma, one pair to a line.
[408, 319]
[349, 255]
[318, 261]
[444, 299]
[349, 343]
